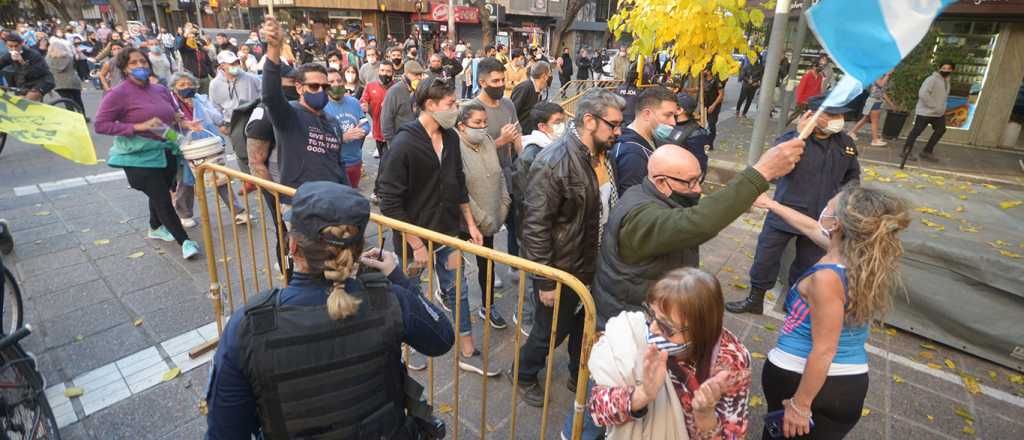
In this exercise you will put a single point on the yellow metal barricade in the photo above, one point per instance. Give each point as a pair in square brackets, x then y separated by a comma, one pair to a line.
[234, 253]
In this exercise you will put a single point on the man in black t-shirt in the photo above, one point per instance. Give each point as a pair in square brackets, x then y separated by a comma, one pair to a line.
[714, 95]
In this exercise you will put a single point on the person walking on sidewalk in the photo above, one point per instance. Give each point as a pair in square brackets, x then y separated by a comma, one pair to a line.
[873, 111]
[930, 110]
[829, 162]
[819, 367]
[138, 114]
[750, 80]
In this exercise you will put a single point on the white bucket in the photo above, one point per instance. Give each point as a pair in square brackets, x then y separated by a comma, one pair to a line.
[201, 148]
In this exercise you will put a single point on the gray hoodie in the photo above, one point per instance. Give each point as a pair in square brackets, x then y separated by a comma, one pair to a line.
[931, 98]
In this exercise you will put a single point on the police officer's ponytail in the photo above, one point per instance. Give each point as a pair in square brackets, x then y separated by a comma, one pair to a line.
[339, 267]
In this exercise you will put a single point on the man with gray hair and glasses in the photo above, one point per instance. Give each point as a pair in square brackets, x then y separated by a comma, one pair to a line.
[562, 224]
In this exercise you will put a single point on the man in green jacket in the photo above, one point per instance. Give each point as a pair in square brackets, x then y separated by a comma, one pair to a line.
[658, 224]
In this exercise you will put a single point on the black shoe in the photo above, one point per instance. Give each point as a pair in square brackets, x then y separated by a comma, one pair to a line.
[571, 385]
[753, 303]
[530, 391]
[6, 238]
[496, 320]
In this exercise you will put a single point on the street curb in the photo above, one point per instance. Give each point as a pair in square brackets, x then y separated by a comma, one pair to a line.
[721, 171]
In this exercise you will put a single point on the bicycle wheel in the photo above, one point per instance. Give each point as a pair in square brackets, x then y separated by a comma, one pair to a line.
[24, 411]
[67, 104]
[11, 314]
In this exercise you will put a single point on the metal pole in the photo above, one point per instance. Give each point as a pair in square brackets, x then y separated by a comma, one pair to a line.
[270, 7]
[771, 74]
[199, 16]
[794, 64]
[142, 13]
[156, 14]
[451, 20]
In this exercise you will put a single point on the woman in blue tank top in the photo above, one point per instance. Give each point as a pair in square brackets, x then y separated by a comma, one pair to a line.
[819, 368]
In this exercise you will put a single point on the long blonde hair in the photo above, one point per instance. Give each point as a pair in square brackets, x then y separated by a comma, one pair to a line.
[871, 247]
[337, 263]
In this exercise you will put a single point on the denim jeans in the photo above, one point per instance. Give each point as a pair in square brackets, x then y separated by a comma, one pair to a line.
[590, 430]
[446, 279]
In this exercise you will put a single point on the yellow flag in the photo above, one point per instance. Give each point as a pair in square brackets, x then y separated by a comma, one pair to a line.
[61, 131]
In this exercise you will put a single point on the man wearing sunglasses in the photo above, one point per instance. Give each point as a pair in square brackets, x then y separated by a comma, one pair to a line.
[309, 141]
[658, 225]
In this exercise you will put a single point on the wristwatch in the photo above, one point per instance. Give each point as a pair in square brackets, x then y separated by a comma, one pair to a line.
[638, 414]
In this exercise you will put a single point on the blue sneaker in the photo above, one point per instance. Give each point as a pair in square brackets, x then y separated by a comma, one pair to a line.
[189, 249]
[160, 233]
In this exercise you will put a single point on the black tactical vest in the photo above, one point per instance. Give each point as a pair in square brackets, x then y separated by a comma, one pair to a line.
[316, 378]
[621, 286]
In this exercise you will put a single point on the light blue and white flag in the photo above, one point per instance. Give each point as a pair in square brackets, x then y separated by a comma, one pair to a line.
[867, 38]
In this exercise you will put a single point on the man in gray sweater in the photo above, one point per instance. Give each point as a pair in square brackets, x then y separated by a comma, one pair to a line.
[930, 110]
[398, 107]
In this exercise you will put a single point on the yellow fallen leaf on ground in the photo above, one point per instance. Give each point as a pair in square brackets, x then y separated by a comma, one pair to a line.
[993, 375]
[726, 269]
[920, 186]
[42, 213]
[136, 255]
[740, 286]
[444, 408]
[1017, 379]
[935, 212]
[950, 364]
[757, 338]
[933, 225]
[962, 197]
[203, 409]
[1010, 204]
[970, 383]
[758, 356]
[1009, 254]
[770, 327]
[756, 401]
[884, 179]
[969, 430]
[989, 186]
[73, 392]
[137, 322]
[927, 355]
[897, 378]
[901, 175]
[171, 374]
[890, 331]
[864, 412]
[101, 242]
[928, 346]
[934, 366]
[931, 419]
[970, 229]
[963, 414]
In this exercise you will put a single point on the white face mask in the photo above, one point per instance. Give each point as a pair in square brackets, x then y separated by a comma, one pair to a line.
[350, 77]
[475, 136]
[558, 129]
[834, 126]
[334, 65]
[824, 214]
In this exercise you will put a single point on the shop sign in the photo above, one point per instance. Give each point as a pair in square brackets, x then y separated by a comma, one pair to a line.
[463, 14]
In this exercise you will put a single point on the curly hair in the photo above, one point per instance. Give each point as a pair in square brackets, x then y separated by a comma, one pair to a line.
[871, 220]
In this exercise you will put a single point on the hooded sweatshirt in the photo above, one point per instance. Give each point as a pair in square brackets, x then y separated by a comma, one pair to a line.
[631, 152]
[416, 187]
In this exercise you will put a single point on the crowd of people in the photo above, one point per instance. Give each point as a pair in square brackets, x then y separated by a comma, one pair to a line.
[611, 194]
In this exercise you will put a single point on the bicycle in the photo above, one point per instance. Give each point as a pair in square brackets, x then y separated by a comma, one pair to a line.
[67, 104]
[25, 413]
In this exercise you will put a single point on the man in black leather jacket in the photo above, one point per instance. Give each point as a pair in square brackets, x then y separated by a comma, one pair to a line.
[562, 227]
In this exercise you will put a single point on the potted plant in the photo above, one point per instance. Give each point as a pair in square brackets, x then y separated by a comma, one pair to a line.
[905, 81]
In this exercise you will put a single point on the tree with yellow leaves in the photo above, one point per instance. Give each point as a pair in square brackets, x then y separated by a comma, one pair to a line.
[694, 32]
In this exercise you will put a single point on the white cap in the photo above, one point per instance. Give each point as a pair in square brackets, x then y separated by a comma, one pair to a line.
[226, 57]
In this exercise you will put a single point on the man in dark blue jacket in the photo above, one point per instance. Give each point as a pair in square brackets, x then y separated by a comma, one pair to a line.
[655, 111]
[829, 162]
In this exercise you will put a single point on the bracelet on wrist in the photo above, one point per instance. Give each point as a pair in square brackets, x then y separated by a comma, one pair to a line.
[792, 405]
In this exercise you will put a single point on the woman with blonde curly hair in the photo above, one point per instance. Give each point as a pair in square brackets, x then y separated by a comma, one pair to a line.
[819, 369]
[322, 357]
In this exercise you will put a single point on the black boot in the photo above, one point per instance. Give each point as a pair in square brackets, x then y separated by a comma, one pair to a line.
[753, 303]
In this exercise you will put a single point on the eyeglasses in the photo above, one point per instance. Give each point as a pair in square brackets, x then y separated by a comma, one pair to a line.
[316, 87]
[690, 184]
[667, 329]
[614, 126]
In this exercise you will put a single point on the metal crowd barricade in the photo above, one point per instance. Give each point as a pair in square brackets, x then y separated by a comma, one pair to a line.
[234, 250]
[579, 86]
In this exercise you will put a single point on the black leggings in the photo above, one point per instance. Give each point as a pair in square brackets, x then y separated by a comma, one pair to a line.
[157, 184]
[835, 410]
[746, 98]
[75, 95]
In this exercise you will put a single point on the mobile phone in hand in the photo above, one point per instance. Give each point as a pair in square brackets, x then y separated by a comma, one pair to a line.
[773, 423]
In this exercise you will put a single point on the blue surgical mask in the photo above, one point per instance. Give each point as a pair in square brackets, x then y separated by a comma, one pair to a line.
[664, 344]
[141, 73]
[662, 131]
[317, 101]
[187, 93]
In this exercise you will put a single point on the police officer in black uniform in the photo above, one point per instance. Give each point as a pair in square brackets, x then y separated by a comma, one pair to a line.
[321, 358]
[688, 133]
[829, 162]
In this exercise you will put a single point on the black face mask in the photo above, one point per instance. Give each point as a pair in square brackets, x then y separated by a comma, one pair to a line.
[685, 199]
[290, 93]
[494, 92]
[385, 79]
[945, 74]
[396, 61]
[435, 69]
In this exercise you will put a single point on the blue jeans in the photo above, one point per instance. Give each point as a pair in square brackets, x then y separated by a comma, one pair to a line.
[590, 430]
[446, 279]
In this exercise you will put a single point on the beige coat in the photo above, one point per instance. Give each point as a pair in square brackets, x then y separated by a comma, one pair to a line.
[489, 199]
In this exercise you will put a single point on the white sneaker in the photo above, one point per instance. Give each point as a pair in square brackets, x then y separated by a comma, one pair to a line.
[243, 218]
[188, 223]
[376, 154]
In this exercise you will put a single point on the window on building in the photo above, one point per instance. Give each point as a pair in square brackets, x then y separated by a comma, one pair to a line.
[969, 45]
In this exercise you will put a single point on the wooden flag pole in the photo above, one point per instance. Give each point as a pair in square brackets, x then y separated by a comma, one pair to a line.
[807, 129]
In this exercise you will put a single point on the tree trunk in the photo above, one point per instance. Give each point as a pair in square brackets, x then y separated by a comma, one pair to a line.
[485, 23]
[119, 11]
[562, 26]
[61, 8]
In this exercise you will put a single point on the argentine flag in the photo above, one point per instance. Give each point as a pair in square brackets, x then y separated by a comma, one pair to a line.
[867, 38]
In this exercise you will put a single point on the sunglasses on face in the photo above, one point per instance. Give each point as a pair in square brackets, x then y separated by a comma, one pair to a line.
[667, 329]
[690, 184]
[316, 87]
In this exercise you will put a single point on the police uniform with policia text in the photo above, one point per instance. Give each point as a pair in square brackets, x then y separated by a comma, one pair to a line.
[285, 370]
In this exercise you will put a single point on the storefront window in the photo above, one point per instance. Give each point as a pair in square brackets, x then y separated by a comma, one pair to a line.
[971, 44]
